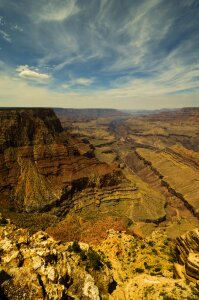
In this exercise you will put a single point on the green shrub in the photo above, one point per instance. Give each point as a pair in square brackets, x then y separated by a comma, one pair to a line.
[157, 269]
[139, 270]
[173, 256]
[75, 247]
[94, 260]
[154, 251]
[147, 266]
[151, 243]
[83, 255]
[109, 265]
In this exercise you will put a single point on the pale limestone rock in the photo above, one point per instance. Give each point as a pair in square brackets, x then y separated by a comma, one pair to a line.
[55, 291]
[6, 245]
[37, 262]
[90, 289]
[10, 256]
[152, 288]
[51, 273]
[42, 268]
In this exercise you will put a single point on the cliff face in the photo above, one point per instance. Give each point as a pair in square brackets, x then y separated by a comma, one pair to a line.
[23, 127]
[44, 169]
[188, 249]
[38, 166]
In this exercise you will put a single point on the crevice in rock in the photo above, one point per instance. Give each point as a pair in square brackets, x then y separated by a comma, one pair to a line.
[112, 286]
[42, 285]
[67, 281]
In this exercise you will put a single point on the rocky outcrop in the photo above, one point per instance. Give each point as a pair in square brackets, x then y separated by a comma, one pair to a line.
[188, 249]
[39, 167]
[37, 267]
[121, 267]
[155, 287]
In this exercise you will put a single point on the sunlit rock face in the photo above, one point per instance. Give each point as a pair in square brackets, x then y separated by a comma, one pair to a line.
[37, 267]
[45, 169]
[38, 167]
[121, 267]
[188, 248]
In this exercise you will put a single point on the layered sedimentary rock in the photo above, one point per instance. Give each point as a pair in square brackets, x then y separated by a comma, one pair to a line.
[38, 166]
[43, 168]
[162, 149]
[164, 129]
[188, 248]
[168, 136]
[178, 171]
[68, 114]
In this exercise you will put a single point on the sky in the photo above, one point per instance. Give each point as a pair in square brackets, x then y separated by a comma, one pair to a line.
[124, 54]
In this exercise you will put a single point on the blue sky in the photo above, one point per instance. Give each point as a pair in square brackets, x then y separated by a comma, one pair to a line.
[130, 54]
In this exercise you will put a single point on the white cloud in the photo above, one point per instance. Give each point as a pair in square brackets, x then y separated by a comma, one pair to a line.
[27, 73]
[17, 28]
[82, 81]
[143, 31]
[5, 36]
[58, 11]
[65, 86]
[20, 93]
[138, 49]
[78, 82]
[2, 22]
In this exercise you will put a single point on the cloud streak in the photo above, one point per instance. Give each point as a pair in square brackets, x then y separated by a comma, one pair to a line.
[5, 36]
[119, 50]
[58, 11]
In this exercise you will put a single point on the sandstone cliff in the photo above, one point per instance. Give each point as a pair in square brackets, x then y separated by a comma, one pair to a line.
[38, 167]
[45, 169]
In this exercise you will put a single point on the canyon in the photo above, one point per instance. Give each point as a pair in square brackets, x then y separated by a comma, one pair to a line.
[116, 182]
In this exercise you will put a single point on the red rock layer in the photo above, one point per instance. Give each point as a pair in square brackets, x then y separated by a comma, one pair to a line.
[39, 167]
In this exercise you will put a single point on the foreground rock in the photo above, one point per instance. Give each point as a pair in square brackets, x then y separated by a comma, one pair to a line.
[188, 247]
[38, 267]
[122, 267]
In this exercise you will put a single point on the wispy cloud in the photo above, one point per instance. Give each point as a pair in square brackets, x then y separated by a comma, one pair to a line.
[2, 22]
[56, 10]
[6, 36]
[127, 52]
[78, 82]
[27, 73]
[17, 28]
[6, 28]
[12, 95]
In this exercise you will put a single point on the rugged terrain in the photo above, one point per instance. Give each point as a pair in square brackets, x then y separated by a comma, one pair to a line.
[40, 168]
[157, 152]
[124, 186]
[52, 174]
[121, 267]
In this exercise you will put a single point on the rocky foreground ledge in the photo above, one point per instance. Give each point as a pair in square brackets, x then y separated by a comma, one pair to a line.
[188, 248]
[121, 267]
